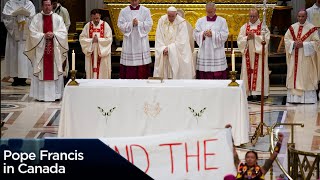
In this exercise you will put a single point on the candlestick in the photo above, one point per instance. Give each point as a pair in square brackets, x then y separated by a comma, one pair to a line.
[233, 61]
[233, 75]
[73, 60]
[73, 81]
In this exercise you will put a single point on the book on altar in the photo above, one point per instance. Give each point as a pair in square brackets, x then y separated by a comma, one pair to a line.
[21, 11]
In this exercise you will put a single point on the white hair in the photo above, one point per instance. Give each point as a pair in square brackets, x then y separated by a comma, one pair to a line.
[210, 5]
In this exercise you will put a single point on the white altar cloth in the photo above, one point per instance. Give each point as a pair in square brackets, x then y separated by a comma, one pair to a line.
[124, 108]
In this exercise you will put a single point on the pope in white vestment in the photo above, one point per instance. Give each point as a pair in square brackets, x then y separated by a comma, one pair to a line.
[135, 23]
[249, 43]
[211, 33]
[173, 57]
[303, 56]
[96, 41]
[47, 47]
[16, 18]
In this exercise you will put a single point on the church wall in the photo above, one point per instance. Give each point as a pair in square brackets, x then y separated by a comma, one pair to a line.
[77, 12]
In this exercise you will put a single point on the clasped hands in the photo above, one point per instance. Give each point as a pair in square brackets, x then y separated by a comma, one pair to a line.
[208, 33]
[250, 35]
[298, 44]
[49, 35]
[95, 39]
[165, 51]
[135, 22]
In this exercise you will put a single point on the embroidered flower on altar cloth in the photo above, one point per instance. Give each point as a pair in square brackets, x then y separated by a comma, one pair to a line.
[152, 110]
[196, 114]
[106, 114]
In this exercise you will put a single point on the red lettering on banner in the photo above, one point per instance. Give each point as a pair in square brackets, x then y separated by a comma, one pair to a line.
[127, 152]
[145, 151]
[196, 155]
[208, 154]
[171, 154]
[188, 155]
[116, 149]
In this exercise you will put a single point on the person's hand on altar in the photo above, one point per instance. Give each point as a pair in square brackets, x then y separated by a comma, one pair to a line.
[135, 22]
[95, 39]
[49, 35]
[165, 51]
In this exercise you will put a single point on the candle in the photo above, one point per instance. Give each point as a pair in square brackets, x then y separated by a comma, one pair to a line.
[233, 63]
[73, 60]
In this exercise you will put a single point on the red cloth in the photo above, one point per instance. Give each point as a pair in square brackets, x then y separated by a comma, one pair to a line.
[229, 177]
[48, 56]
[136, 8]
[214, 18]
[212, 75]
[134, 72]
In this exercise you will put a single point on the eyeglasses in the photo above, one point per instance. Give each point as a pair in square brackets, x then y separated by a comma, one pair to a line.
[253, 16]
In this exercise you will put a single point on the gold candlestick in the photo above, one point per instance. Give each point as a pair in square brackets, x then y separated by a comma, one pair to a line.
[73, 81]
[233, 75]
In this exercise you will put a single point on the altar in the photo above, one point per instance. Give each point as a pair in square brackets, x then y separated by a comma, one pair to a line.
[125, 108]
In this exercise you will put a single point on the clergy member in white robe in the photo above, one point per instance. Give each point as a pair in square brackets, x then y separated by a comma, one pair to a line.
[16, 18]
[211, 33]
[190, 29]
[314, 15]
[135, 23]
[173, 57]
[47, 47]
[96, 41]
[249, 43]
[191, 40]
[63, 12]
[303, 57]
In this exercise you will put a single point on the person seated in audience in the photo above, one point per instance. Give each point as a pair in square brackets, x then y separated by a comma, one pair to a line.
[249, 169]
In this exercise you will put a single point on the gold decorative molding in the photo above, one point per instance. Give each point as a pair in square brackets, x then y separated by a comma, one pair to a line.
[80, 25]
[235, 14]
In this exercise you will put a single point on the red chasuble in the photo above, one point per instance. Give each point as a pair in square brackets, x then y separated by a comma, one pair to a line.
[48, 56]
[296, 50]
